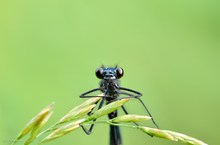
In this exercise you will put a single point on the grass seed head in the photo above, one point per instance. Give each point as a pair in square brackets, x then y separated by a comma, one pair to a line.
[107, 109]
[130, 118]
[76, 113]
[37, 128]
[31, 124]
[90, 101]
[63, 130]
[184, 138]
[157, 133]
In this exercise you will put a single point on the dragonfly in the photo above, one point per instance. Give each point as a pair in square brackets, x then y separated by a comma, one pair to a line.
[109, 86]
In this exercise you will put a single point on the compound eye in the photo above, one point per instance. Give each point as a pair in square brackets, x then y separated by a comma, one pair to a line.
[99, 73]
[119, 72]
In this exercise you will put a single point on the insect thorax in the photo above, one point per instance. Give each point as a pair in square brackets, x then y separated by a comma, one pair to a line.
[110, 87]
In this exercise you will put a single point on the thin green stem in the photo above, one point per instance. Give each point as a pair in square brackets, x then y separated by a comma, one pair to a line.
[47, 130]
[111, 123]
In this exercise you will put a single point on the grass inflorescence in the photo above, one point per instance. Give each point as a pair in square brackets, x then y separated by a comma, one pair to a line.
[78, 116]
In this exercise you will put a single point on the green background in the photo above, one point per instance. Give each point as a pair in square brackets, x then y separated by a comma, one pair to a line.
[170, 51]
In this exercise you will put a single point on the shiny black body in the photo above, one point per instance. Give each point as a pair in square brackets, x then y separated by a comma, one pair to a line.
[109, 86]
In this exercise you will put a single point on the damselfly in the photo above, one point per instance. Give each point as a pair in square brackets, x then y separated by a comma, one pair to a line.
[109, 86]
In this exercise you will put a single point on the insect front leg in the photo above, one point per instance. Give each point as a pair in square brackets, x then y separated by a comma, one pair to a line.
[85, 95]
[89, 131]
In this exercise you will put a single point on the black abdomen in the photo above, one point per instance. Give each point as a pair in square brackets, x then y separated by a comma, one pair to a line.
[115, 135]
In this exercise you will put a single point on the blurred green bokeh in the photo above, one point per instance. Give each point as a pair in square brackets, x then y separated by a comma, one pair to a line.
[170, 51]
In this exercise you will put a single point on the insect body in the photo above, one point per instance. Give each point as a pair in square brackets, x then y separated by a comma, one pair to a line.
[109, 86]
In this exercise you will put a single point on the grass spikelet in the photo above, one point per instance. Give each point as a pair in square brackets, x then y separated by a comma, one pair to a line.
[107, 109]
[157, 133]
[34, 121]
[130, 118]
[87, 102]
[63, 130]
[184, 138]
[76, 113]
[170, 135]
[80, 110]
[37, 128]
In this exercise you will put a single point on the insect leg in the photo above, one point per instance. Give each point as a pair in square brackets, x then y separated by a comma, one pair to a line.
[126, 112]
[137, 97]
[89, 131]
[84, 95]
[138, 94]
